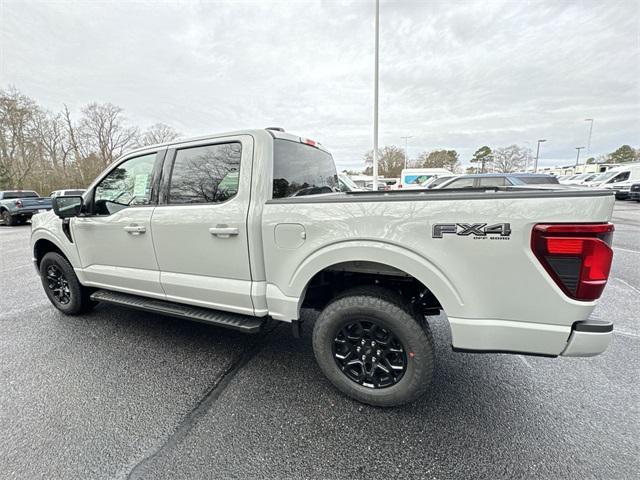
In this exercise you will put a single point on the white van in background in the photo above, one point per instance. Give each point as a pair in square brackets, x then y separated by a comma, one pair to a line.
[414, 178]
[623, 173]
[622, 180]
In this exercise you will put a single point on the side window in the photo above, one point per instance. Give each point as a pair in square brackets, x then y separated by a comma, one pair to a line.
[461, 183]
[126, 185]
[492, 182]
[208, 174]
[621, 177]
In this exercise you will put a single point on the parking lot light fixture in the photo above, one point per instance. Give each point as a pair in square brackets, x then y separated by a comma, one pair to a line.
[578, 156]
[590, 132]
[535, 165]
[375, 97]
[406, 150]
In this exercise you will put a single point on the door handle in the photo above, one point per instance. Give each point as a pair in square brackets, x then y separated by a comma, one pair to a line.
[223, 231]
[135, 229]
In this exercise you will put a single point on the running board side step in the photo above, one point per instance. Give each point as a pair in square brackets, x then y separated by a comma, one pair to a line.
[235, 321]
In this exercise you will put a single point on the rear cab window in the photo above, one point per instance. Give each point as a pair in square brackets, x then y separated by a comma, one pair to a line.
[300, 169]
[538, 180]
[14, 195]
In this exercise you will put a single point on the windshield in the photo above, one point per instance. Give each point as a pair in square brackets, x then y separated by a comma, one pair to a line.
[348, 183]
[434, 182]
[300, 169]
[9, 195]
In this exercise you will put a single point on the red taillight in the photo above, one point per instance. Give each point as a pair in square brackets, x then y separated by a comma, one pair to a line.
[577, 256]
[308, 141]
[399, 185]
[18, 203]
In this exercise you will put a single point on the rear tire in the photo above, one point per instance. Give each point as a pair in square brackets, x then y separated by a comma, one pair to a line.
[62, 286]
[397, 369]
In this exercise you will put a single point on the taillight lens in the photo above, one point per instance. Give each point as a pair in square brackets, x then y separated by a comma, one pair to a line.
[18, 203]
[577, 256]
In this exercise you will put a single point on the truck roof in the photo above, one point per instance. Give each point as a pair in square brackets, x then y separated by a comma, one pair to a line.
[280, 134]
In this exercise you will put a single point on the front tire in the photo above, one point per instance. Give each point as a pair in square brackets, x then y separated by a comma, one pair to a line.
[62, 286]
[374, 348]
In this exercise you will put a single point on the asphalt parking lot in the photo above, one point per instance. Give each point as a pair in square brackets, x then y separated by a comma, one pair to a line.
[123, 394]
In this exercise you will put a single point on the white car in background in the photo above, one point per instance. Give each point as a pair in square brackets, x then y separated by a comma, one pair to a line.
[347, 185]
[579, 179]
[66, 193]
[416, 178]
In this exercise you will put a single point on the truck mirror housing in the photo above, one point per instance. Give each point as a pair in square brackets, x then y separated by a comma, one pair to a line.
[67, 207]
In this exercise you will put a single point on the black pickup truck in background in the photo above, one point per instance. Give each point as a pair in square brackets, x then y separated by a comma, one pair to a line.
[18, 206]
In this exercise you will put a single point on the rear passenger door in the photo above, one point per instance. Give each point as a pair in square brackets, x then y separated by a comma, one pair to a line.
[200, 225]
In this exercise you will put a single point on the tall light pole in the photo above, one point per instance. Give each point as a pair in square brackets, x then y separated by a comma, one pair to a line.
[578, 156]
[406, 150]
[590, 132]
[526, 158]
[375, 99]
[535, 165]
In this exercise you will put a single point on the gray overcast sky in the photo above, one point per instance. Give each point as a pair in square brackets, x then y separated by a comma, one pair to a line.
[454, 74]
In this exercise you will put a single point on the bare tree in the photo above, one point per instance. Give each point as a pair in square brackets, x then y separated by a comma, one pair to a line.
[157, 133]
[390, 161]
[448, 159]
[103, 129]
[52, 134]
[511, 158]
[20, 149]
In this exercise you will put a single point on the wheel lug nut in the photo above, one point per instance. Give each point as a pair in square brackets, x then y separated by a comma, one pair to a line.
[378, 352]
[373, 344]
[358, 349]
[364, 357]
[363, 341]
[373, 359]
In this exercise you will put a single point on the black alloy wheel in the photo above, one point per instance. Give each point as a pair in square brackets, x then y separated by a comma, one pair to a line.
[58, 285]
[369, 354]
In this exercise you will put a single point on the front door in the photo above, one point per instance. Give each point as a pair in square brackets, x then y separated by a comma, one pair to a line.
[200, 225]
[114, 240]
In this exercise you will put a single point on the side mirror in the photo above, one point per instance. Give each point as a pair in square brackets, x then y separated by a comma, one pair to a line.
[67, 207]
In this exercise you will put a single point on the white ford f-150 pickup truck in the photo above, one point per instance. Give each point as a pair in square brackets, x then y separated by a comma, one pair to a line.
[241, 228]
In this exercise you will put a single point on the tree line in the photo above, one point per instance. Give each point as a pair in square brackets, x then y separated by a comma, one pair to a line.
[44, 151]
[513, 158]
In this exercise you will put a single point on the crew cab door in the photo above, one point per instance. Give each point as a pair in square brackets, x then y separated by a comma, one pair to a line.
[113, 238]
[200, 225]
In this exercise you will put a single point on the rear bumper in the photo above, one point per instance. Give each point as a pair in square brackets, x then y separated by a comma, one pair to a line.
[588, 338]
[582, 339]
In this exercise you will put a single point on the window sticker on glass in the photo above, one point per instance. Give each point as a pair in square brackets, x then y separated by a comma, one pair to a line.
[141, 184]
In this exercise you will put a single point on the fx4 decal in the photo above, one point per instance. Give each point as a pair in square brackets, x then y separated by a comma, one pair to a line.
[497, 231]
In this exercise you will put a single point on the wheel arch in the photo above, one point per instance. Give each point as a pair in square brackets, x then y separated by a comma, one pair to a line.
[388, 257]
[46, 240]
[43, 246]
